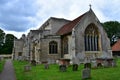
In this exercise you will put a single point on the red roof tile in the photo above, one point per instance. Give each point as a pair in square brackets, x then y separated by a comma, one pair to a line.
[116, 46]
[67, 28]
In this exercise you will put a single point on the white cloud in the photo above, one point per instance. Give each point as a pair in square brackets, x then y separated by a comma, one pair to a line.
[38, 13]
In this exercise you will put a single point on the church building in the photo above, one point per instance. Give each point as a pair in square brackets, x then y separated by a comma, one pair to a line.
[82, 38]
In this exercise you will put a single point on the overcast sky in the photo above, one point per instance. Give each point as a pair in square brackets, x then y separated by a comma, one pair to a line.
[20, 16]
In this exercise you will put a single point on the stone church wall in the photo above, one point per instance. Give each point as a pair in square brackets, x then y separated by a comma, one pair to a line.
[103, 41]
[45, 56]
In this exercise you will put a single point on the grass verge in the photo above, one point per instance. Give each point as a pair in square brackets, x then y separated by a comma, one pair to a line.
[2, 65]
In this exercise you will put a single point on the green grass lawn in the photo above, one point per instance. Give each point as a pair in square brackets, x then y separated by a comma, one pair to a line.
[39, 73]
[2, 65]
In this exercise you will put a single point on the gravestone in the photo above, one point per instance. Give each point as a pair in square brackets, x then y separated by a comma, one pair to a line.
[75, 67]
[46, 66]
[87, 65]
[33, 62]
[75, 60]
[27, 68]
[105, 64]
[0, 58]
[114, 63]
[86, 73]
[94, 64]
[62, 68]
[99, 65]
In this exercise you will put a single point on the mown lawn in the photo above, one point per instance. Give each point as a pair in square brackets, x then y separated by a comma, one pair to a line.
[2, 65]
[39, 73]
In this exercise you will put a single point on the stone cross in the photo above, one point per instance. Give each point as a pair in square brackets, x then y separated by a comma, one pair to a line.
[90, 6]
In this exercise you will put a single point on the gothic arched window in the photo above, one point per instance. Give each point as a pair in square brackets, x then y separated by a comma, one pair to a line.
[91, 38]
[53, 47]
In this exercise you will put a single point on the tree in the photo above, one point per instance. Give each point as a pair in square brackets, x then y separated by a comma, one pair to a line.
[113, 30]
[6, 42]
[2, 36]
[8, 45]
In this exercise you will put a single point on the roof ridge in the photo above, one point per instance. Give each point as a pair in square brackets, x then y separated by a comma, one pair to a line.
[67, 28]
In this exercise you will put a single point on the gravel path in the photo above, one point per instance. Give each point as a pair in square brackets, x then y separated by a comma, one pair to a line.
[8, 73]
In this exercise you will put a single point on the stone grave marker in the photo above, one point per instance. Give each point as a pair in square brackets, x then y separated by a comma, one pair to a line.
[86, 73]
[114, 63]
[27, 68]
[99, 65]
[46, 66]
[33, 62]
[87, 65]
[62, 68]
[75, 67]
[94, 64]
[0, 58]
[105, 64]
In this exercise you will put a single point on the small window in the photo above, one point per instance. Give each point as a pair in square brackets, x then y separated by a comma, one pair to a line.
[53, 47]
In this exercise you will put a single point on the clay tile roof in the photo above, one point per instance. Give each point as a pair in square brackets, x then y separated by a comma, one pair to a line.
[67, 28]
[116, 46]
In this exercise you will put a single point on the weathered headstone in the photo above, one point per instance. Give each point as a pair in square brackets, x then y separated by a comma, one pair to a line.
[46, 66]
[75, 67]
[105, 64]
[94, 64]
[87, 65]
[99, 65]
[86, 73]
[114, 63]
[62, 68]
[0, 58]
[27, 68]
[33, 62]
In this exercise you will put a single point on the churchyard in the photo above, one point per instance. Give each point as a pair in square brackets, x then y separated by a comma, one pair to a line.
[39, 72]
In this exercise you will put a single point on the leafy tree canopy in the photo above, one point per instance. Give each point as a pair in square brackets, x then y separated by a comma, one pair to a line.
[6, 42]
[113, 30]
[2, 35]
